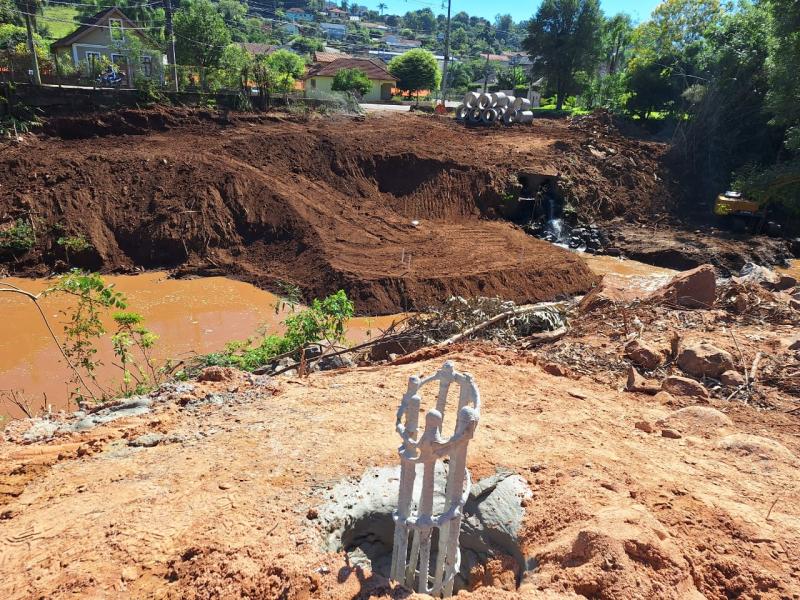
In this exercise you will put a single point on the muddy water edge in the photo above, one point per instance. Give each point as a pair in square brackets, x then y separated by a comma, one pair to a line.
[189, 316]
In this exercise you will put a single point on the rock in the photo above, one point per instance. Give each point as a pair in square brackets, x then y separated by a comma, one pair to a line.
[696, 288]
[732, 378]
[608, 293]
[795, 344]
[794, 304]
[312, 514]
[554, 369]
[637, 383]
[785, 282]
[698, 420]
[643, 355]
[329, 363]
[129, 573]
[705, 360]
[756, 274]
[664, 398]
[671, 433]
[149, 440]
[683, 386]
[217, 374]
[645, 426]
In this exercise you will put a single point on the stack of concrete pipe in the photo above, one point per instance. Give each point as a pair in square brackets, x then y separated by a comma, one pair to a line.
[497, 107]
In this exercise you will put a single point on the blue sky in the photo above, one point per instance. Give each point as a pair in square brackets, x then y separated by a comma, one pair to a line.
[519, 10]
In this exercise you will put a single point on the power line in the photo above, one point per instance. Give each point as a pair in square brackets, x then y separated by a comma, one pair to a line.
[53, 19]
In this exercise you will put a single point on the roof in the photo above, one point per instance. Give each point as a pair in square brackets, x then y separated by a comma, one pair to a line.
[497, 57]
[326, 57]
[255, 49]
[373, 68]
[337, 10]
[296, 10]
[336, 26]
[88, 24]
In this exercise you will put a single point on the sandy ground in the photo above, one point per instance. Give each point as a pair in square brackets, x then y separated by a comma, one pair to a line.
[222, 510]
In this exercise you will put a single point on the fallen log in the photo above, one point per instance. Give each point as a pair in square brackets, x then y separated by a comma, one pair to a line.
[520, 310]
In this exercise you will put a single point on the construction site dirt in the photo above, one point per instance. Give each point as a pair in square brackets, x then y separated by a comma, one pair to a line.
[400, 210]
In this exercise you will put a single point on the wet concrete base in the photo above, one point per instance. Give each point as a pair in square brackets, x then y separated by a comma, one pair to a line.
[358, 519]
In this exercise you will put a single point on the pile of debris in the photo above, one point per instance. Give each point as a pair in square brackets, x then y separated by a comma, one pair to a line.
[497, 107]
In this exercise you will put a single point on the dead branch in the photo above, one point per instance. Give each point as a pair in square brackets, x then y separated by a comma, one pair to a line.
[520, 310]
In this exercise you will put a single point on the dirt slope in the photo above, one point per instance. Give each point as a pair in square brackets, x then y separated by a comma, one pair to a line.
[326, 204]
[222, 507]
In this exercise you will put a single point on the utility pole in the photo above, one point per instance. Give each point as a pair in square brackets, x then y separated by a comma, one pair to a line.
[31, 46]
[446, 56]
[486, 72]
[171, 42]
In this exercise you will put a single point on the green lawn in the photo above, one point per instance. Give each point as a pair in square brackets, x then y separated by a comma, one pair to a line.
[58, 29]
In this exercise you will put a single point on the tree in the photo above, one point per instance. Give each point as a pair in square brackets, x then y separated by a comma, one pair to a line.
[616, 36]
[306, 45]
[382, 7]
[145, 14]
[287, 67]
[354, 81]
[459, 76]
[201, 34]
[415, 70]
[563, 38]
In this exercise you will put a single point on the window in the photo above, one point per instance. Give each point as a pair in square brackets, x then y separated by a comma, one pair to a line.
[115, 29]
[119, 59]
[147, 66]
[92, 57]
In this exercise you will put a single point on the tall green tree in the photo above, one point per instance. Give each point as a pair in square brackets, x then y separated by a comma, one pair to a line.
[563, 39]
[287, 67]
[201, 35]
[416, 70]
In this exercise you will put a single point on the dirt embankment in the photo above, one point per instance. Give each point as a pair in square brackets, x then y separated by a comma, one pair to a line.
[388, 208]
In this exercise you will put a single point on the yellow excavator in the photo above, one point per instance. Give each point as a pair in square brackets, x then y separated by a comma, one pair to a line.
[741, 212]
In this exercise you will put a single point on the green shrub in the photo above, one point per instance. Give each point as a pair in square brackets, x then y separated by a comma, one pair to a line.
[323, 321]
[17, 238]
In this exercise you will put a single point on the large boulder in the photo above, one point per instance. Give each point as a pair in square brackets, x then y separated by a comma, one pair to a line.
[705, 360]
[696, 288]
[683, 386]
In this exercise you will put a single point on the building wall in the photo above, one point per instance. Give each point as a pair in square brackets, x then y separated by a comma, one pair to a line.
[323, 85]
[99, 40]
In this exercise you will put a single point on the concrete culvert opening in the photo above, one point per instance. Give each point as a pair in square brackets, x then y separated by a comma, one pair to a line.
[358, 520]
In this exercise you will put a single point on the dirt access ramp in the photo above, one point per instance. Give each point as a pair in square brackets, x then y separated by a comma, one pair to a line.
[224, 503]
[396, 209]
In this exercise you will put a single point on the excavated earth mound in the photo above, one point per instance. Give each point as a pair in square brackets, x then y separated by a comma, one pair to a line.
[397, 210]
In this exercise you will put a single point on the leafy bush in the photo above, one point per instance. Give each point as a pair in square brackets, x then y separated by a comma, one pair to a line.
[74, 243]
[17, 238]
[323, 321]
[354, 81]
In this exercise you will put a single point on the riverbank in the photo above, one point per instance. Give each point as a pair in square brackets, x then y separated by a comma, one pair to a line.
[690, 492]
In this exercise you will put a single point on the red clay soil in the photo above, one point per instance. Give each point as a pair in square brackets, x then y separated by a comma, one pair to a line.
[324, 204]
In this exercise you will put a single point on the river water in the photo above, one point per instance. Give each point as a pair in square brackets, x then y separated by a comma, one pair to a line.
[189, 315]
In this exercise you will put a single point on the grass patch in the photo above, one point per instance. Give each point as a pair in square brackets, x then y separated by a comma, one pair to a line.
[61, 27]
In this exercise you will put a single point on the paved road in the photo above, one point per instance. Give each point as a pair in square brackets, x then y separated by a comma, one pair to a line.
[385, 107]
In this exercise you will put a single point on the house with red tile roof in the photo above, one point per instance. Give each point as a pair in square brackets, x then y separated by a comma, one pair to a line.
[319, 79]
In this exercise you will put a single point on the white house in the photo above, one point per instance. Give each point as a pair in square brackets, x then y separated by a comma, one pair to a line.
[111, 35]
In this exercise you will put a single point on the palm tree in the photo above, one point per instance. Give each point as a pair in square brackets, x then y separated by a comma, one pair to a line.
[382, 7]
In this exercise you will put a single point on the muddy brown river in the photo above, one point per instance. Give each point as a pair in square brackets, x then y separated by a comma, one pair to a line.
[196, 315]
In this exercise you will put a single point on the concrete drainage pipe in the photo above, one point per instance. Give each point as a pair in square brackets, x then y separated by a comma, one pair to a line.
[471, 100]
[499, 99]
[522, 104]
[474, 116]
[525, 116]
[488, 116]
[484, 101]
[509, 117]
[461, 112]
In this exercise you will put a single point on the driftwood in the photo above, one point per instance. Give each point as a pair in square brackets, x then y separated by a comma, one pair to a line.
[520, 310]
[545, 337]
